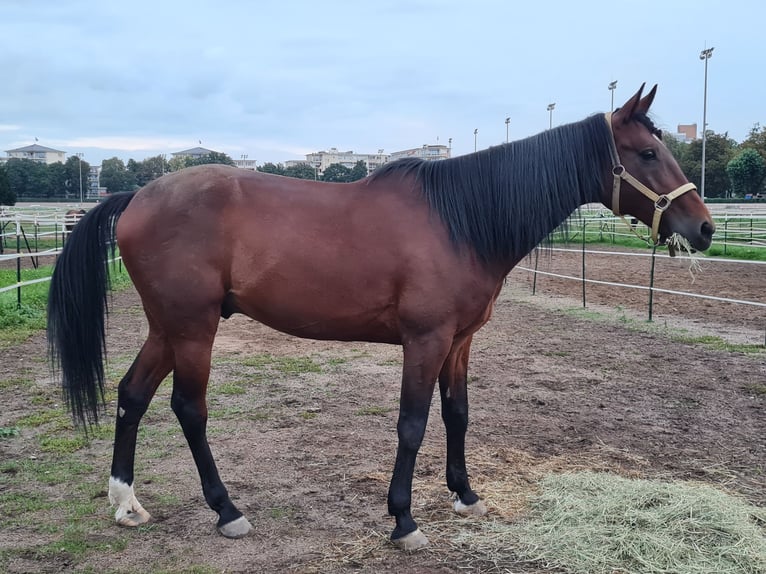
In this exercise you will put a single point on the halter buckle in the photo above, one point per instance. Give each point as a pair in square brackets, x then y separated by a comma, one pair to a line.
[662, 203]
[618, 170]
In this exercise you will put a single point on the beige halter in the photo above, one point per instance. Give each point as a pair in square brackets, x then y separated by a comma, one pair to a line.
[661, 202]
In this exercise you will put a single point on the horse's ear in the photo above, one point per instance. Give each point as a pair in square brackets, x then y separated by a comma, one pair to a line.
[624, 113]
[646, 101]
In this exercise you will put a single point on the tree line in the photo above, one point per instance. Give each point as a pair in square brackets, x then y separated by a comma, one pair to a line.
[335, 172]
[31, 180]
[732, 170]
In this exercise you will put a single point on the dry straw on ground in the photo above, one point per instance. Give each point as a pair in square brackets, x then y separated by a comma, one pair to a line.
[556, 514]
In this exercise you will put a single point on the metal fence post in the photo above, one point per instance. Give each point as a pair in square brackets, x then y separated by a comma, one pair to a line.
[583, 263]
[651, 283]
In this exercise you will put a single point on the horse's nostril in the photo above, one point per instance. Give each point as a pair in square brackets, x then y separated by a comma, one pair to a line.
[708, 229]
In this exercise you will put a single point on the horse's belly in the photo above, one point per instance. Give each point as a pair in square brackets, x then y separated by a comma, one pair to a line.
[322, 314]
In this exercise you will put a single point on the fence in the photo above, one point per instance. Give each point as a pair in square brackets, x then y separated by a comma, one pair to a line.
[740, 227]
[41, 232]
[29, 235]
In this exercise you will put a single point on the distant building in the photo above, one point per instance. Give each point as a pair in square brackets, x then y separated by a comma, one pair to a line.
[38, 153]
[244, 163]
[321, 160]
[686, 132]
[194, 153]
[93, 181]
[426, 152]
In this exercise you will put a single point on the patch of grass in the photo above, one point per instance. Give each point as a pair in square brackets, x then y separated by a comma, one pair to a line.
[15, 503]
[584, 314]
[62, 444]
[373, 411]
[280, 512]
[755, 388]
[679, 335]
[45, 417]
[77, 541]
[18, 323]
[196, 569]
[308, 415]
[556, 353]
[9, 432]
[286, 365]
[233, 388]
[13, 383]
[718, 344]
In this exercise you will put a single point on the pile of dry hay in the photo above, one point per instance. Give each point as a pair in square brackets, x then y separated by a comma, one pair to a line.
[557, 513]
[597, 522]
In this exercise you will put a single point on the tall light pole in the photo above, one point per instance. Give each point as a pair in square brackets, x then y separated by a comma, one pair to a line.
[79, 161]
[475, 138]
[507, 123]
[550, 114]
[704, 55]
[612, 88]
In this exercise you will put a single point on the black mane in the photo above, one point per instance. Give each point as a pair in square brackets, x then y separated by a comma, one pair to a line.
[504, 200]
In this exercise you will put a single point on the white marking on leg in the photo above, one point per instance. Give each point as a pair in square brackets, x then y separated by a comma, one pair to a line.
[121, 412]
[129, 510]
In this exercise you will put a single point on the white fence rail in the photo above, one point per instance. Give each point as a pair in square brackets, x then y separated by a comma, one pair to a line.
[46, 225]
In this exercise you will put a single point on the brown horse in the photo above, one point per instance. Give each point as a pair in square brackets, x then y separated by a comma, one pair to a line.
[413, 255]
[71, 217]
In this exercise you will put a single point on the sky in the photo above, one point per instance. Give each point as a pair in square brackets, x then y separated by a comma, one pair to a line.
[277, 80]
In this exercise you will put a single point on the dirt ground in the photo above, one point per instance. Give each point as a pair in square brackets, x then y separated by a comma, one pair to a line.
[304, 431]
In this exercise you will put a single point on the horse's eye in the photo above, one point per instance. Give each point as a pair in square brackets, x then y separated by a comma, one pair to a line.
[648, 154]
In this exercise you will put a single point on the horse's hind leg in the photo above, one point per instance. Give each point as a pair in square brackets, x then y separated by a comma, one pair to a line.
[454, 395]
[135, 392]
[190, 379]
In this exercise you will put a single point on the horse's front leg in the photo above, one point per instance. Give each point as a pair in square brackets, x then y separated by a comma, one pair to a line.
[190, 379]
[422, 362]
[453, 387]
[134, 394]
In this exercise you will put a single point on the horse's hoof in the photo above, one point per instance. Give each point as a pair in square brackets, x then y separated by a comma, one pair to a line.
[415, 540]
[132, 518]
[236, 528]
[478, 508]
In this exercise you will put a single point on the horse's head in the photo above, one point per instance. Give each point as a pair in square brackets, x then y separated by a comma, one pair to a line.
[647, 182]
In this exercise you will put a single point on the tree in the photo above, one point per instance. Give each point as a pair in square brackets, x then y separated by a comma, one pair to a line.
[301, 171]
[28, 178]
[678, 148]
[7, 196]
[746, 172]
[176, 163]
[756, 140]
[268, 167]
[115, 176]
[57, 180]
[74, 168]
[147, 170]
[337, 172]
[212, 157]
[359, 171]
[719, 151]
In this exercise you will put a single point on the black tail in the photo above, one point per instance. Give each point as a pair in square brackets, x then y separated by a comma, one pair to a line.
[77, 304]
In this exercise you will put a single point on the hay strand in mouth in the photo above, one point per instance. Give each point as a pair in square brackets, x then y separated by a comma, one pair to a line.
[677, 242]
